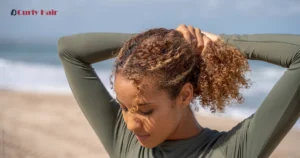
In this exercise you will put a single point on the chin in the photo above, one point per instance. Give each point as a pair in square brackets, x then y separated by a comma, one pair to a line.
[148, 145]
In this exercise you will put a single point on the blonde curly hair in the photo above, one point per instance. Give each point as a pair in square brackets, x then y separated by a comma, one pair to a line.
[217, 74]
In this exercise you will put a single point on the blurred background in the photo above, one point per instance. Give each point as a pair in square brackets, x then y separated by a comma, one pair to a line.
[35, 97]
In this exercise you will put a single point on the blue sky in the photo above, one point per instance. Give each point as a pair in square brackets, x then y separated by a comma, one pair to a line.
[218, 16]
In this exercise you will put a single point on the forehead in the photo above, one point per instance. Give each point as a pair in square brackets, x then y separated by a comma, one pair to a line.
[126, 90]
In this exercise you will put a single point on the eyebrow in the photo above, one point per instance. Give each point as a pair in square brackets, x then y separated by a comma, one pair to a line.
[144, 104]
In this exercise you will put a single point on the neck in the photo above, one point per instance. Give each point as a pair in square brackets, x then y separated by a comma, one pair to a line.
[187, 128]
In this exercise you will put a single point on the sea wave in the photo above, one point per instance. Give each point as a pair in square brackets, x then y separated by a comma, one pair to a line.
[25, 76]
[44, 77]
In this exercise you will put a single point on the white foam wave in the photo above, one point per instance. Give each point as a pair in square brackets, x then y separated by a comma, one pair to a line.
[263, 79]
[42, 77]
[17, 75]
[22, 76]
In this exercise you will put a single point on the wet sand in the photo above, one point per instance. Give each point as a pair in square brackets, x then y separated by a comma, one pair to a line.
[40, 125]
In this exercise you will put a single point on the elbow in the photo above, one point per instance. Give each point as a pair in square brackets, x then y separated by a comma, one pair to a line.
[61, 46]
[296, 61]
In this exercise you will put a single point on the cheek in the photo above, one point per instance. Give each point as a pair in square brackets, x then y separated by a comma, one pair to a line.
[164, 121]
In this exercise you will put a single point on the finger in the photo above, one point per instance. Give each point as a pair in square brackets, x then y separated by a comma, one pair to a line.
[187, 35]
[185, 32]
[192, 30]
[193, 37]
[199, 37]
[206, 40]
[213, 37]
[180, 27]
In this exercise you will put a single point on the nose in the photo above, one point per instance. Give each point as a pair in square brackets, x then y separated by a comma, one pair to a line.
[133, 123]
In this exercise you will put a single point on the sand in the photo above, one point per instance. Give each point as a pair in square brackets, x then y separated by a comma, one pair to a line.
[52, 126]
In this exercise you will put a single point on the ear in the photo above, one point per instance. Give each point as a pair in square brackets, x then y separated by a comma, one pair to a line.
[186, 95]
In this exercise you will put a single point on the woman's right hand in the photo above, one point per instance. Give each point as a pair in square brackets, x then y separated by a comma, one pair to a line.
[211, 36]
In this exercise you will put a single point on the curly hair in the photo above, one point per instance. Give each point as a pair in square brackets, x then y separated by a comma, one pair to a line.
[216, 74]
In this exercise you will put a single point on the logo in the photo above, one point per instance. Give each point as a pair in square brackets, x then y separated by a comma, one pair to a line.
[33, 12]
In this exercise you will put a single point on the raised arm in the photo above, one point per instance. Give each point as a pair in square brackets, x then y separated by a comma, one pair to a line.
[77, 53]
[260, 134]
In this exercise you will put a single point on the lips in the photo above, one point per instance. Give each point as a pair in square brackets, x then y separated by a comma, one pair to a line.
[141, 137]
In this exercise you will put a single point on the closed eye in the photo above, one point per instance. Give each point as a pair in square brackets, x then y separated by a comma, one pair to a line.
[146, 113]
[124, 108]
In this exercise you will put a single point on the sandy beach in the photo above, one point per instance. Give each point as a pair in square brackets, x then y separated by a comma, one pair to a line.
[35, 125]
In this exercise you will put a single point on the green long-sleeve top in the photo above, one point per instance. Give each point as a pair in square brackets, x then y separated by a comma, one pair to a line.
[256, 136]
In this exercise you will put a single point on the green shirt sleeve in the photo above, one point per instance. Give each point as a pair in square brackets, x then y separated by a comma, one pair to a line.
[77, 53]
[260, 134]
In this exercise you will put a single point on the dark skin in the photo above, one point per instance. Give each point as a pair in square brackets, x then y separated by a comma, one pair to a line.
[160, 118]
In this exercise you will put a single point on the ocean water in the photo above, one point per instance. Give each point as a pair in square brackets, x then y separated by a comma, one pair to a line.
[38, 68]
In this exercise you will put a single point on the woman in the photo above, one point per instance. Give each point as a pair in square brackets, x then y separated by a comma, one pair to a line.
[158, 73]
